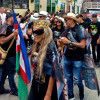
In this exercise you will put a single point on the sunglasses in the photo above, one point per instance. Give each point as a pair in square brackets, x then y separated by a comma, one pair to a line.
[40, 16]
[38, 32]
[59, 21]
[67, 19]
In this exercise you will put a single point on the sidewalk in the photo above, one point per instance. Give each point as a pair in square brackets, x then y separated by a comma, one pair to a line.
[89, 94]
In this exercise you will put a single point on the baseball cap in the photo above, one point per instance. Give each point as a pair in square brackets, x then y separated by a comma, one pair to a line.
[43, 13]
[94, 15]
[10, 14]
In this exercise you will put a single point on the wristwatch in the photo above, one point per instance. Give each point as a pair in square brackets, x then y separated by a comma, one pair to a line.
[70, 44]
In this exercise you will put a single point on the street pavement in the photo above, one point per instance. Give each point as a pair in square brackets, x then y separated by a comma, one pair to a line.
[89, 94]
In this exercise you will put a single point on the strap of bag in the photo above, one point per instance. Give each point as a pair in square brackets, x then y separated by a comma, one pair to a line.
[11, 44]
[73, 37]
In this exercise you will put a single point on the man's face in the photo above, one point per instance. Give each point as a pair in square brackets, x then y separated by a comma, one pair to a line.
[10, 19]
[80, 18]
[2, 10]
[69, 22]
[94, 19]
[42, 17]
[84, 16]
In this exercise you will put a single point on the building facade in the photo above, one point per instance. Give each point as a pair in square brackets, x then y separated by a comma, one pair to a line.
[92, 6]
[74, 5]
[20, 6]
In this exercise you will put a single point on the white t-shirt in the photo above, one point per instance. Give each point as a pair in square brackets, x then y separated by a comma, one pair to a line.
[22, 25]
[3, 18]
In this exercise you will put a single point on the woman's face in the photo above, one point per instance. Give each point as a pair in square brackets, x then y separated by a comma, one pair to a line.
[59, 23]
[37, 38]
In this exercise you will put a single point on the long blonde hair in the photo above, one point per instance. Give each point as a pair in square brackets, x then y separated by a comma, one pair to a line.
[47, 37]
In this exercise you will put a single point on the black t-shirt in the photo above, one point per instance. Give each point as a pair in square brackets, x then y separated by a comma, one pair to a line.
[87, 20]
[84, 25]
[95, 29]
[30, 25]
[76, 54]
[12, 51]
[57, 33]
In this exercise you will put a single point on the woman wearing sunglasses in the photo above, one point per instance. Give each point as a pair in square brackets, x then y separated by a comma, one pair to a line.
[42, 61]
[57, 31]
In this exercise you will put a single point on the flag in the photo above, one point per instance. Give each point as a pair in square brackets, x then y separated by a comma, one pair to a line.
[59, 4]
[22, 63]
[73, 0]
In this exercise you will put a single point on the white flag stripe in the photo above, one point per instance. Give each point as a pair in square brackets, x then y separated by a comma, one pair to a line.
[22, 64]
[59, 3]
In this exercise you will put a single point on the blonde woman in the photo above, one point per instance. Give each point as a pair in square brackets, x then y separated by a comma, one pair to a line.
[42, 57]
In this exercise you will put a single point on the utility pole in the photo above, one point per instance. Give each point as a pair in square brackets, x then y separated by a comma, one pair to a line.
[74, 6]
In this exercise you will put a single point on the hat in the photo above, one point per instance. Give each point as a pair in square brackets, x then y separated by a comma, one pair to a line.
[94, 15]
[72, 16]
[43, 13]
[10, 14]
[62, 20]
[35, 16]
[41, 23]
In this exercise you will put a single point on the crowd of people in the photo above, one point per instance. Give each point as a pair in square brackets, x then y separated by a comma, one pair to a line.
[47, 35]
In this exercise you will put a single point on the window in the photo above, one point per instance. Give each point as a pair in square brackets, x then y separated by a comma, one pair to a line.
[48, 5]
[7, 3]
[17, 4]
[53, 7]
[37, 5]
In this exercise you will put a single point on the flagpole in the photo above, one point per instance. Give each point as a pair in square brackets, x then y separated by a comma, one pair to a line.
[12, 5]
[74, 6]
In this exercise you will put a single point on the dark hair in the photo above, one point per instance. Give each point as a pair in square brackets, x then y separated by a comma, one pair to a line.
[20, 16]
[79, 16]
[28, 10]
[62, 25]
[84, 12]
[23, 20]
[27, 17]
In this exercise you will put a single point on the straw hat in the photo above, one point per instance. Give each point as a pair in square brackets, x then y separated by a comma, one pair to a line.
[72, 16]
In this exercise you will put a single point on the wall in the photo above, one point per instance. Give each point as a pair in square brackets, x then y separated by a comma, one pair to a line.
[22, 11]
[43, 5]
[31, 5]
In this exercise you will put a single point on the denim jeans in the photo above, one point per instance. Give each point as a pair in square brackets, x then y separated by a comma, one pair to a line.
[72, 72]
[1, 69]
[9, 69]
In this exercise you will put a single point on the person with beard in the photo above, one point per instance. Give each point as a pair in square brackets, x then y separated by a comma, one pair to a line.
[73, 58]
[85, 18]
[82, 22]
[9, 67]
